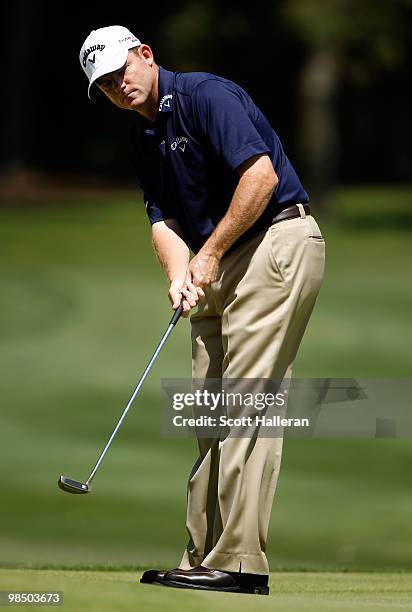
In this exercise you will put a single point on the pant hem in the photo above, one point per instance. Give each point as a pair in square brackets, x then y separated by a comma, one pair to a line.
[246, 563]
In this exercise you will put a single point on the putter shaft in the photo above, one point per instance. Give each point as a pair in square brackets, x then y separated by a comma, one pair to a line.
[67, 484]
[135, 392]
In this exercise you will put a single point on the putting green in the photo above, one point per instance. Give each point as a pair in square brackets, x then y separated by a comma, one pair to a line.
[290, 592]
[83, 304]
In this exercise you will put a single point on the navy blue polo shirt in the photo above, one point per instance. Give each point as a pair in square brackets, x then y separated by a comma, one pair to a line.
[186, 160]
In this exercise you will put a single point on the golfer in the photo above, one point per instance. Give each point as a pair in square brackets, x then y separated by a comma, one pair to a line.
[218, 185]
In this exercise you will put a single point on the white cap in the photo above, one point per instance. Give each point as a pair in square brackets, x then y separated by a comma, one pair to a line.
[105, 50]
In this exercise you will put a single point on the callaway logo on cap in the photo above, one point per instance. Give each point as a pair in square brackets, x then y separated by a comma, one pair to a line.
[105, 50]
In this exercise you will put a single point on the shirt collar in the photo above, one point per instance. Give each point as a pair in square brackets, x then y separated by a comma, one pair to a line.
[165, 90]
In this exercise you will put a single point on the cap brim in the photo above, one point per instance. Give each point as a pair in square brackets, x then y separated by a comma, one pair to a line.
[114, 63]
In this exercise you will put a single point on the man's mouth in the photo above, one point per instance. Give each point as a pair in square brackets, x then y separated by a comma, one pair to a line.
[128, 97]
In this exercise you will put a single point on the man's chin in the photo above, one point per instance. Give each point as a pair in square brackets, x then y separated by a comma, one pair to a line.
[134, 102]
[127, 102]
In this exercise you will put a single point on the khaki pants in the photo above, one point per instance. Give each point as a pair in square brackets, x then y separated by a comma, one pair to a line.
[249, 326]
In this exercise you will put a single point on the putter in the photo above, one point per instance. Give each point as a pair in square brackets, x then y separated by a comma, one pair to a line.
[74, 486]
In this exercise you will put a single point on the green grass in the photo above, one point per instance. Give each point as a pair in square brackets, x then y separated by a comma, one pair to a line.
[84, 303]
[288, 592]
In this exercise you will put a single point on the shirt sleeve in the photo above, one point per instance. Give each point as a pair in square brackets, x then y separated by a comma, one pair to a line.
[157, 208]
[149, 172]
[224, 116]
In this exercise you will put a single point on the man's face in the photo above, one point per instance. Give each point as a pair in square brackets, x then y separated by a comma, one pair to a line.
[134, 85]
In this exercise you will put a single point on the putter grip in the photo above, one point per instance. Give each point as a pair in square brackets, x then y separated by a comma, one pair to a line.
[177, 315]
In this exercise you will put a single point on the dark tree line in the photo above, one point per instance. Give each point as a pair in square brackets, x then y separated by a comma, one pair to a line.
[332, 76]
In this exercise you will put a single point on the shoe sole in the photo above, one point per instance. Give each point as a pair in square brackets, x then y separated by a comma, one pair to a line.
[256, 590]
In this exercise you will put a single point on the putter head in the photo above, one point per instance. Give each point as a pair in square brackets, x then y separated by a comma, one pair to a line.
[73, 486]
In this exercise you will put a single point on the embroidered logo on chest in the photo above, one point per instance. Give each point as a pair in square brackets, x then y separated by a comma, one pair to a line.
[165, 102]
[179, 143]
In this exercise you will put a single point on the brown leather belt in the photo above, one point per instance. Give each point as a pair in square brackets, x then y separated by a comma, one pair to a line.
[291, 212]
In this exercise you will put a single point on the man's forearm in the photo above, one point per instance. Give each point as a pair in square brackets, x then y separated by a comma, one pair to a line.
[249, 200]
[171, 250]
[173, 255]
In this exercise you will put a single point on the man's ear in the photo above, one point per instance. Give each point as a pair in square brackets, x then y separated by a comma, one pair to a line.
[147, 54]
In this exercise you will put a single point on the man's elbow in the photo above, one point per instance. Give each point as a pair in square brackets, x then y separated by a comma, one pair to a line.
[261, 171]
[273, 180]
[269, 173]
[269, 178]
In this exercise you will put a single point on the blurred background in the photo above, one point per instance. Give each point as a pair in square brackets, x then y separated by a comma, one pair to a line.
[83, 301]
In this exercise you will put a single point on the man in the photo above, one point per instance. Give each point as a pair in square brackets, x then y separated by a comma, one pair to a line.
[217, 181]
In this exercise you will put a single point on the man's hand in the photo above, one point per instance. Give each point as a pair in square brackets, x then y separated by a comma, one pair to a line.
[203, 269]
[187, 292]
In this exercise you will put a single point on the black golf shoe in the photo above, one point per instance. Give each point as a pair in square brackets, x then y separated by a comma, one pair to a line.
[207, 579]
[154, 576]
